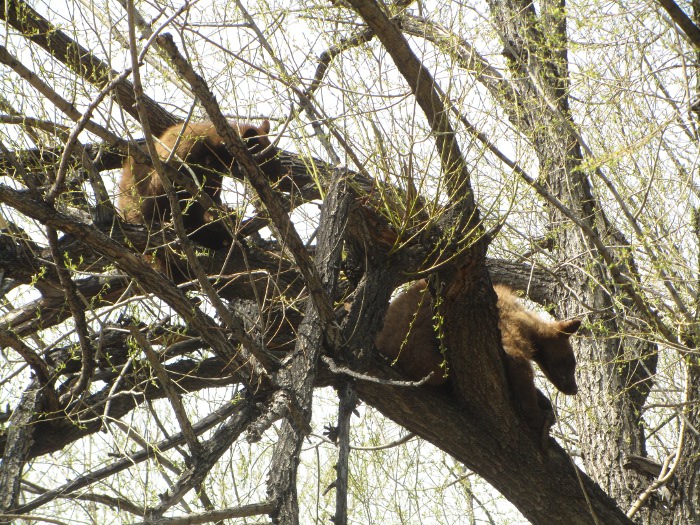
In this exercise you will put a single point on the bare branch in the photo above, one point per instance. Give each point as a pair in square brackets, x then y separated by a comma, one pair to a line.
[244, 511]
[78, 312]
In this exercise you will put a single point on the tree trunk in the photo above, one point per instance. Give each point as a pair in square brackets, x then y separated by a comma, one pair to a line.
[614, 386]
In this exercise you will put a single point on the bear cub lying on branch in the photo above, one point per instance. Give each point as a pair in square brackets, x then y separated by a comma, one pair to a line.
[142, 197]
[409, 338]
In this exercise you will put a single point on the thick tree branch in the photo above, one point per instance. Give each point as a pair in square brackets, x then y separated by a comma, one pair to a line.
[512, 467]
[691, 30]
[299, 372]
[148, 278]
[18, 441]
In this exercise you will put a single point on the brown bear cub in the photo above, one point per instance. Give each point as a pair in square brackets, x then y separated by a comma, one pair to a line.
[409, 338]
[526, 337]
[142, 197]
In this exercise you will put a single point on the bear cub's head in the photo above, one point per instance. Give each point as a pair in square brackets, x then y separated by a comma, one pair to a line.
[259, 144]
[555, 356]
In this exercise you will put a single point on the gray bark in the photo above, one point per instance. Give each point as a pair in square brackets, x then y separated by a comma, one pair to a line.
[297, 377]
[611, 393]
[19, 439]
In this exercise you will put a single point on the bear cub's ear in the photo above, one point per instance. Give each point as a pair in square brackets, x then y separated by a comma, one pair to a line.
[569, 327]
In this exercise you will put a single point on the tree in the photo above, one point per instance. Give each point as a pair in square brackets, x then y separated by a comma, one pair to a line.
[542, 146]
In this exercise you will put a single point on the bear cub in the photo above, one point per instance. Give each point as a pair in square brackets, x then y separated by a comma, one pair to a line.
[142, 197]
[409, 338]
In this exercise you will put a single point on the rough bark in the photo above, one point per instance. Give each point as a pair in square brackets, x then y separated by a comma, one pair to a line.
[681, 496]
[18, 441]
[297, 377]
[612, 394]
[513, 463]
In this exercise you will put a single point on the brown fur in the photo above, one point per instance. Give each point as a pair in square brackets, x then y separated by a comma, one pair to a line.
[142, 197]
[525, 338]
[408, 336]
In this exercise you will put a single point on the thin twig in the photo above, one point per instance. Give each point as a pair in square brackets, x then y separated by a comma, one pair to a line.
[167, 385]
[77, 309]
